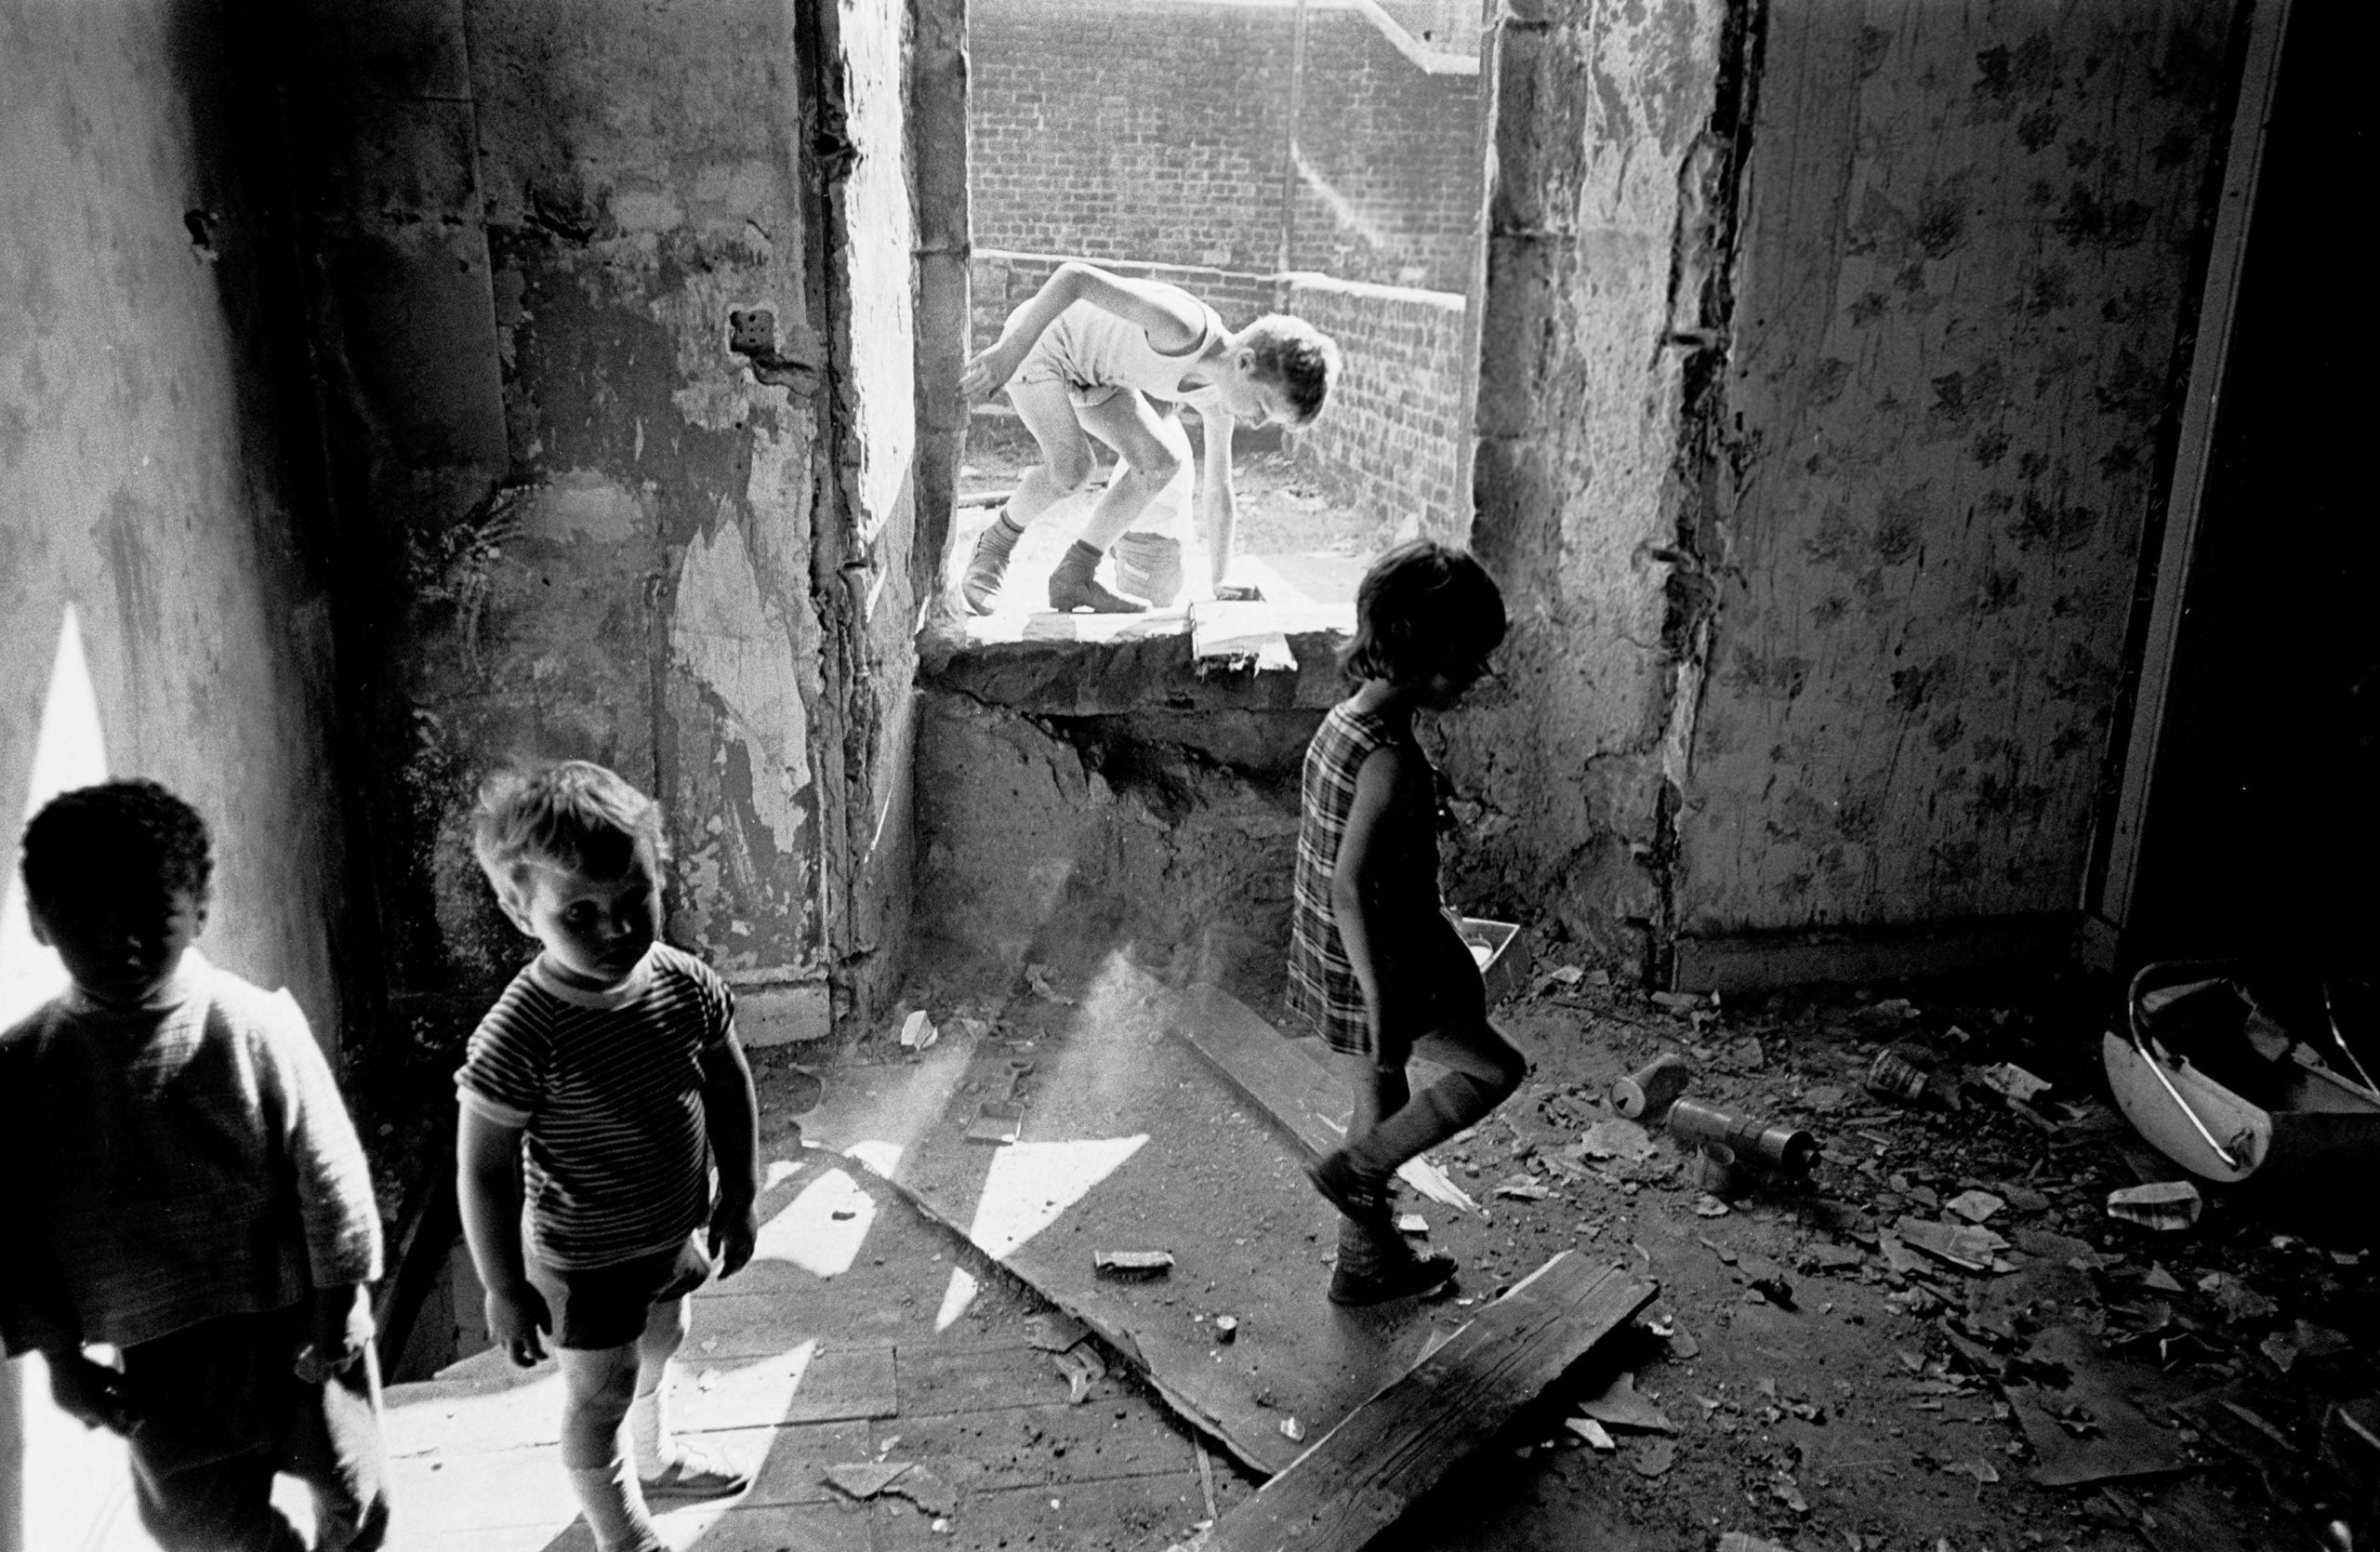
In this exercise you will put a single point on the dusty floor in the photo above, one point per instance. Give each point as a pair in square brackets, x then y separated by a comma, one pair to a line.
[1829, 1385]
[1810, 1376]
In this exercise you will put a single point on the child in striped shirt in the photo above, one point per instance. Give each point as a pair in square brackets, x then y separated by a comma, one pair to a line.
[1374, 962]
[603, 1085]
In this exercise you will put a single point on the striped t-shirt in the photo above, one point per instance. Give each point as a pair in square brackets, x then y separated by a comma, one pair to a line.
[608, 1089]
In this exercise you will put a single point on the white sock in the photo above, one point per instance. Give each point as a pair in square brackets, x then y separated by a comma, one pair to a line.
[649, 1440]
[614, 1508]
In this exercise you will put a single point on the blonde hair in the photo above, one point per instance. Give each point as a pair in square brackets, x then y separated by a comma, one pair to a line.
[575, 815]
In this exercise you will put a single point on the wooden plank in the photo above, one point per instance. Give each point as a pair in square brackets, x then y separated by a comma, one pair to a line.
[1358, 1479]
[1296, 1091]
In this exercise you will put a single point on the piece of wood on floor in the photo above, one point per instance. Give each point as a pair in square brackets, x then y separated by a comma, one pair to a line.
[1289, 1084]
[1359, 1479]
[1300, 1094]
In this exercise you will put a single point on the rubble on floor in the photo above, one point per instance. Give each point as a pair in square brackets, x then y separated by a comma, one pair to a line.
[1941, 1333]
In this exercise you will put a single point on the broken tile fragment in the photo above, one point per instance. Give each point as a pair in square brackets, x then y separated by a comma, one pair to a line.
[1975, 1206]
[1621, 1406]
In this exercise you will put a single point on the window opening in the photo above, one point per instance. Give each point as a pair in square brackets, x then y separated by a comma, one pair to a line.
[1319, 159]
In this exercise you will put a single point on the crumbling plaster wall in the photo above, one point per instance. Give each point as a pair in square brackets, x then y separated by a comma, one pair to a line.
[1166, 837]
[146, 483]
[569, 311]
[1967, 240]
[1602, 110]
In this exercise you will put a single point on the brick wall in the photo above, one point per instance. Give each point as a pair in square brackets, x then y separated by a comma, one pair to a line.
[1394, 438]
[1156, 133]
[999, 281]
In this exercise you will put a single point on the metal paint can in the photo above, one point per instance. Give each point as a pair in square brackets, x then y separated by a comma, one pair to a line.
[1650, 1088]
[1788, 1148]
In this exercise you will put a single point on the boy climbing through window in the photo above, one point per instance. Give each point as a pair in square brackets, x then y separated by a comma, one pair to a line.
[609, 1076]
[186, 1187]
[1095, 355]
[1374, 962]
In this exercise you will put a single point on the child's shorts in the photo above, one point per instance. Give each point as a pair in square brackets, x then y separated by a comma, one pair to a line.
[607, 1307]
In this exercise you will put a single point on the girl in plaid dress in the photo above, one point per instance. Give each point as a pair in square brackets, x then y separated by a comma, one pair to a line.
[1374, 962]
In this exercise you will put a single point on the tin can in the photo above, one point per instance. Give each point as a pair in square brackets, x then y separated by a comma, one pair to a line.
[1895, 1076]
[1650, 1088]
[1715, 1168]
[1787, 1149]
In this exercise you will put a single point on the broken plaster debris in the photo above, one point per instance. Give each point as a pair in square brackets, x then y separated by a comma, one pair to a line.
[1621, 1405]
[918, 1032]
[2166, 1207]
[1133, 1265]
[1082, 1367]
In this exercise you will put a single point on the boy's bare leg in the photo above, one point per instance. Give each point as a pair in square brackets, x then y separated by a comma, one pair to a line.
[665, 1468]
[1155, 448]
[1066, 466]
[598, 1386]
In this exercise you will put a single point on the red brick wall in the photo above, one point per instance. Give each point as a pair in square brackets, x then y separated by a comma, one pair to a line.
[1156, 132]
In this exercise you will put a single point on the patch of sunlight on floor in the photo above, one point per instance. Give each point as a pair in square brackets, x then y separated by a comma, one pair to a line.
[882, 1157]
[821, 1229]
[1030, 1185]
[955, 1298]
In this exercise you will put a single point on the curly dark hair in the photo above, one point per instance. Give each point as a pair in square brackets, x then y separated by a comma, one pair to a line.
[577, 814]
[1424, 609]
[111, 838]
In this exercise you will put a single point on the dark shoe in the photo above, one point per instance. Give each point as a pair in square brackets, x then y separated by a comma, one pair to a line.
[1361, 1197]
[987, 567]
[1073, 587]
[1422, 1275]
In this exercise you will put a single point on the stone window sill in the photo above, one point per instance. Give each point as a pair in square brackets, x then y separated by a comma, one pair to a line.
[1209, 656]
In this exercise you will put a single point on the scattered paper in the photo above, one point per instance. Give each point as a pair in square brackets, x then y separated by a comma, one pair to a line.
[1413, 1223]
[1591, 1431]
[1614, 1138]
[2013, 1080]
[1621, 1406]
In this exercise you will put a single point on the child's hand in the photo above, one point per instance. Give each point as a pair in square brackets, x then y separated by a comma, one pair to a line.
[91, 1393]
[734, 1226]
[339, 1326]
[988, 372]
[515, 1318]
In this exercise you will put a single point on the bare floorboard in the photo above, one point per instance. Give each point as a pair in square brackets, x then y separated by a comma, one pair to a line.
[1359, 1479]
